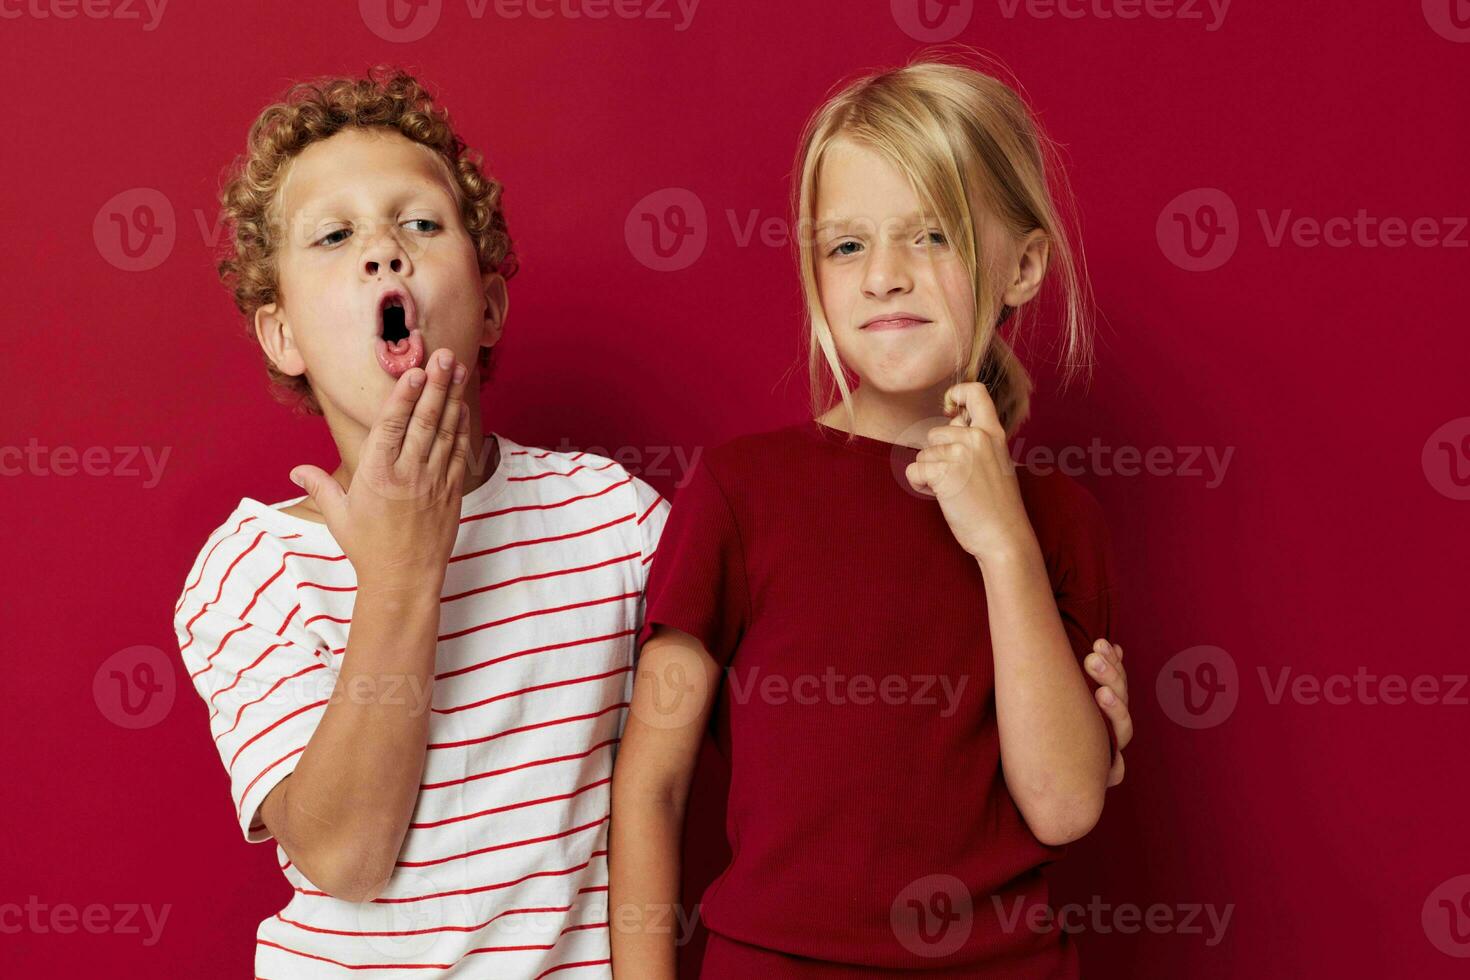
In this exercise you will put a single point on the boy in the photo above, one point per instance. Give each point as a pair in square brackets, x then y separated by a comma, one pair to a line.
[415, 684]
[415, 674]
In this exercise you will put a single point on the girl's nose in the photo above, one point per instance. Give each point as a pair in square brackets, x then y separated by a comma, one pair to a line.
[887, 275]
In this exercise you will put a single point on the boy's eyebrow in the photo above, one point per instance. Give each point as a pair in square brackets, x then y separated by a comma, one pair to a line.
[338, 199]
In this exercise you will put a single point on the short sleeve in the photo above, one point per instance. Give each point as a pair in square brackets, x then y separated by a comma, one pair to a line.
[697, 583]
[653, 513]
[1086, 591]
[264, 691]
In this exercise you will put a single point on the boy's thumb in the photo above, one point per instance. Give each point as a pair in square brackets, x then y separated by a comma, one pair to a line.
[324, 491]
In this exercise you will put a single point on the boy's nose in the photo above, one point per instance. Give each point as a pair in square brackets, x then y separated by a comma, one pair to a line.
[371, 266]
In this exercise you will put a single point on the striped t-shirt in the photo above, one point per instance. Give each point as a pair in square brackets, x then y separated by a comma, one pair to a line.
[503, 872]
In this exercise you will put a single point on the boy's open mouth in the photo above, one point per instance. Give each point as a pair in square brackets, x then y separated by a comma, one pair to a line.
[399, 344]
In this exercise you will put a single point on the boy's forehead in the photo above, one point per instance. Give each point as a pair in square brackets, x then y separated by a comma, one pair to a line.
[354, 163]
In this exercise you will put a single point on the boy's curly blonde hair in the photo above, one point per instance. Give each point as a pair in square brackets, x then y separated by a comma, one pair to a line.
[312, 111]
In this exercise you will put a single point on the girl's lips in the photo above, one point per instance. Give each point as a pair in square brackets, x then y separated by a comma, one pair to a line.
[895, 323]
[401, 356]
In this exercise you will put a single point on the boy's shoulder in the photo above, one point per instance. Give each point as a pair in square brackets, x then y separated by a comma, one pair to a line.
[565, 476]
[255, 537]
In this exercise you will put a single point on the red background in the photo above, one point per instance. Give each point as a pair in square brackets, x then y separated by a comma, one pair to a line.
[1327, 547]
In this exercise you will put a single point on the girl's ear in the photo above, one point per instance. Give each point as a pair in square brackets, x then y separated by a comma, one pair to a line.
[1030, 269]
[274, 335]
[497, 305]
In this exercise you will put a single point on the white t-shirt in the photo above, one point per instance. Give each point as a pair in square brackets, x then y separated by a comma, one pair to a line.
[504, 869]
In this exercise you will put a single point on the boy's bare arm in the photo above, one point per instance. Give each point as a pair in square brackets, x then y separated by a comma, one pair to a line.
[342, 815]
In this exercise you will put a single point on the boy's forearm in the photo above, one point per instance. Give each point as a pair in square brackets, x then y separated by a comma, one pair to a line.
[643, 895]
[1054, 744]
[343, 813]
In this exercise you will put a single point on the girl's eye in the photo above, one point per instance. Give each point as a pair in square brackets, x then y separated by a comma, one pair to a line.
[935, 238]
[845, 248]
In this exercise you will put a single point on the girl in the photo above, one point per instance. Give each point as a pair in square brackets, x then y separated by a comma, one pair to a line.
[884, 616]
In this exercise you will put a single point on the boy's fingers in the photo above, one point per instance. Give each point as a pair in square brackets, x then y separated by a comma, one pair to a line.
[385, 439]
[322, 488]
[459, 458]
[1115, 774]
[449, 423]
[423, 426]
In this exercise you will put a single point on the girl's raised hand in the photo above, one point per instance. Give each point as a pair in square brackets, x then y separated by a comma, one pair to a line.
[967, 466]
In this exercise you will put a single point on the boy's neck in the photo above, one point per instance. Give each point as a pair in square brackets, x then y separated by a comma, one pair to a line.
[483, 460]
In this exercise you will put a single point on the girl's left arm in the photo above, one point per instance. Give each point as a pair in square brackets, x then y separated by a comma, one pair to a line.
[1053, 740]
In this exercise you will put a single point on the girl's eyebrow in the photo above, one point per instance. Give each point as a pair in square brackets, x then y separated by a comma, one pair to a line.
[906, 221]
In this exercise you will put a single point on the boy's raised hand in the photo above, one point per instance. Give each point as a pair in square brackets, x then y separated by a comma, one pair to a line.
[398, 521]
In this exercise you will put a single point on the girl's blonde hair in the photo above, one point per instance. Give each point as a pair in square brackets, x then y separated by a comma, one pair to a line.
[966, 141]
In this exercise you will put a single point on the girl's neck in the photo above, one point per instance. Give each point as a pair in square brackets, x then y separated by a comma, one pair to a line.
[902, 418]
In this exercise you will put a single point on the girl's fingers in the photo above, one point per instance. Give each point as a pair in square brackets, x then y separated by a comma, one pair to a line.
[1114, 656]
[1117, 712]
[969, 404]
[1107, 674]
[1115, 774]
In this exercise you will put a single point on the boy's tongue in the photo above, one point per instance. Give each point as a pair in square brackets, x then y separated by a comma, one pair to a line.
[398, 357]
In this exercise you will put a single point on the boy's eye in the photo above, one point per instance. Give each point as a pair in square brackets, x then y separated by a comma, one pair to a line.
[330, 238]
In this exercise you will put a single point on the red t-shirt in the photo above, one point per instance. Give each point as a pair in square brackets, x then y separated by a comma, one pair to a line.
[869, 820]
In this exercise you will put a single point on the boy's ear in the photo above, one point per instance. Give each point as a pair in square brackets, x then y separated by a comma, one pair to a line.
[497, 305]
[274, 334]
